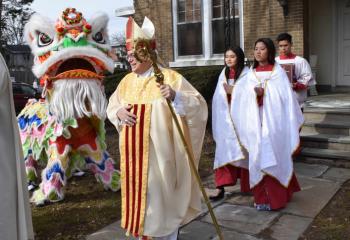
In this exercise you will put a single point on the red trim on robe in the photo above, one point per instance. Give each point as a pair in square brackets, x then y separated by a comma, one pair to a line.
[267, 68]
[228, 175]
[142, 118]
[289, 56]
[270, 191]
[127, 177]
[231, 74]
[133, 186]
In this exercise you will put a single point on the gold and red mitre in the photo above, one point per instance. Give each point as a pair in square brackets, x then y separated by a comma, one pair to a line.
[143, 44]
[136, 34]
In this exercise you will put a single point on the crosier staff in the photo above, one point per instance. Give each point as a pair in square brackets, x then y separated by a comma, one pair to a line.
[144, 52]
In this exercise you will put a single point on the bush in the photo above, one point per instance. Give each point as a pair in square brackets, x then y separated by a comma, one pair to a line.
[111, 81]
[204, 79]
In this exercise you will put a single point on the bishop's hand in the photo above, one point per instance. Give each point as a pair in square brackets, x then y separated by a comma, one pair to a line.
[167, 92]
[126, 117]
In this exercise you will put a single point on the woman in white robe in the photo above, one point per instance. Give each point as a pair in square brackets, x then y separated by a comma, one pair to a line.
[268, 126]
[230, 162]
[15, 216]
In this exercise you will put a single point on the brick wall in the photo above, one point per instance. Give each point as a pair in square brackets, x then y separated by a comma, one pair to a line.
[160, 13]
[262, 18]
[265, 19]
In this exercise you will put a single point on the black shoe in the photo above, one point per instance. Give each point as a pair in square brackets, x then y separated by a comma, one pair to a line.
[219, 196]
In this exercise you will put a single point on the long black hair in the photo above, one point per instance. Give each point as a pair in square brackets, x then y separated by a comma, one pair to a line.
[240, 62]
[270, 49]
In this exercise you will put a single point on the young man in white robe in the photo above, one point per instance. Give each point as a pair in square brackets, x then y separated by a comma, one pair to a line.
[268, 126]
[297, 68]
[15, 213]
[159, 192]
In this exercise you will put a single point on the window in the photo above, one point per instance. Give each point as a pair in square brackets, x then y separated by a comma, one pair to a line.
[218, 24]
[189, 27]
[199, 30]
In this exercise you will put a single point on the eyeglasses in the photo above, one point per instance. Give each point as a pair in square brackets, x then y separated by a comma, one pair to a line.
[130, 56]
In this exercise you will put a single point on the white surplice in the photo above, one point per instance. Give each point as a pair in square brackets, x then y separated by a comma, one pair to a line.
[228, 149]
[15, 215]
[270, 133]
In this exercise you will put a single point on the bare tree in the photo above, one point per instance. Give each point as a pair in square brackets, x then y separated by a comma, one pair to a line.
[14, 15]
[118, 39]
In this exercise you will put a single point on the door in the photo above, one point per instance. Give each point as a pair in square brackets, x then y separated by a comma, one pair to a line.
[344, 43]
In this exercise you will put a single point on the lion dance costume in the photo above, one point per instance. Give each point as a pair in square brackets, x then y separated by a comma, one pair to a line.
[66, 130]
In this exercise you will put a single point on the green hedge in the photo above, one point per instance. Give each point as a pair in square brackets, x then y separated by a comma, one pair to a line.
[204, 79]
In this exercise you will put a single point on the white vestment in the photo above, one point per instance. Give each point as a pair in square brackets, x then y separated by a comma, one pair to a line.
[15, 215]
[228, 149]
[173, 196]
[302, 74]
[270, 133]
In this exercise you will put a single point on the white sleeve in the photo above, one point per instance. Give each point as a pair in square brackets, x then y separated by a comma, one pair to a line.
[113, 107]
[178, 104]
[305, 74]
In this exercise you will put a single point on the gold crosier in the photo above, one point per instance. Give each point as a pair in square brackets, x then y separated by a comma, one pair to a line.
[144, 52]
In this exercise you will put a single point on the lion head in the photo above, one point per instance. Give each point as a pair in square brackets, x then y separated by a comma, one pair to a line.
[70, 59]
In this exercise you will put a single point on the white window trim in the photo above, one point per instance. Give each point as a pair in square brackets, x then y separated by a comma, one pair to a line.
[207, 58]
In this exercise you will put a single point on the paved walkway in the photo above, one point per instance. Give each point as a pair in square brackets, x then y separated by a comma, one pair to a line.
[240, 220]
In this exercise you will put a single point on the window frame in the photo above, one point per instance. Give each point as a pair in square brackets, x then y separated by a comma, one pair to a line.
[207, 57]
[175, 33]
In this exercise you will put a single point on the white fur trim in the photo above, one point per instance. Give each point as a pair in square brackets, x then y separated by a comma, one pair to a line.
[69, 99]
[39, 24]
[64, 54]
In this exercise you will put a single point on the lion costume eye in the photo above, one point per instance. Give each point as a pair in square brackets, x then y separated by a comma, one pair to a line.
[44, 40]
[98, 37]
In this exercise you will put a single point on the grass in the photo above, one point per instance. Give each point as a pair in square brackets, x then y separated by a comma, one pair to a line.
[87, 207]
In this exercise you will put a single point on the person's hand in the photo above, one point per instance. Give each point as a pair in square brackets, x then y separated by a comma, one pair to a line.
[259, 91]
[167, 92]
[126, 117]
[228, 88]
[297, 86]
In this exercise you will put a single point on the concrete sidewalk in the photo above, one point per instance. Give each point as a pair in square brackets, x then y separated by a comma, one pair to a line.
[238, 218]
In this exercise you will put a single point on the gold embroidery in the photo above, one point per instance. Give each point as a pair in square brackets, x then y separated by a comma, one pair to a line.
[136, 90]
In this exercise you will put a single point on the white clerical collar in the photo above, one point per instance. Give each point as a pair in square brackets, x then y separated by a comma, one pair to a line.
[148, 73]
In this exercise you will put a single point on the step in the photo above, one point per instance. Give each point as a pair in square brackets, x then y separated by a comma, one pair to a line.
[340, 128]
[326, 115]
[329, 157]
[326, 141]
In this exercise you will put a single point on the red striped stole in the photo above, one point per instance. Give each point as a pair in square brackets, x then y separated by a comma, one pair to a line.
[134, 151]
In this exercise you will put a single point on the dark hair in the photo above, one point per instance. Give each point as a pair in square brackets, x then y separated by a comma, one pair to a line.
[270, 49]
[284, 36]
[240, 61]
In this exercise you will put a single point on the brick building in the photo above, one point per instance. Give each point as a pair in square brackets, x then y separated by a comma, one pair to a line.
[190, 32]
